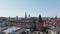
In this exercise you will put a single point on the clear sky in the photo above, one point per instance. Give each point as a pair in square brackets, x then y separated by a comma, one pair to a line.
[47, 8]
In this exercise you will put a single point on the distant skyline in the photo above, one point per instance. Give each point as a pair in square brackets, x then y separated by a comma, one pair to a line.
[47, 8]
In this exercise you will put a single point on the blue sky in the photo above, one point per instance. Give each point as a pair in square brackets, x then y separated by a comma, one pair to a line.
[47, 8]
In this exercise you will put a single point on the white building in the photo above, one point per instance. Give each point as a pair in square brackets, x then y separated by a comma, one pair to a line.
[28, 31]
[10, 30]
[52, 32]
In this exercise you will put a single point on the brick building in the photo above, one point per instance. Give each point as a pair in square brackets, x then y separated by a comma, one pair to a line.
[53, 22]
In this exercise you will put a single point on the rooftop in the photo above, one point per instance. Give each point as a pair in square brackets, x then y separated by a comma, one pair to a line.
[9, 30]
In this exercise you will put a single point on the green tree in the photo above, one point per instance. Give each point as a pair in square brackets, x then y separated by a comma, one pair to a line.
[9, 24]
[40, 19]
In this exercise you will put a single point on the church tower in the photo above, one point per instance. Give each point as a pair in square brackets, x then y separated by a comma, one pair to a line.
[25, 15]
[29, 16]
[39, 24]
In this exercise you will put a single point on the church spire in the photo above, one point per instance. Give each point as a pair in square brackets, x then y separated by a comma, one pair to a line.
[25, 15]
[29, 15]
[40, 19]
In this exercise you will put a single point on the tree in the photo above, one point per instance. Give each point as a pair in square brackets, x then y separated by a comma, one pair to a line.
[9, 24]
[40, 19]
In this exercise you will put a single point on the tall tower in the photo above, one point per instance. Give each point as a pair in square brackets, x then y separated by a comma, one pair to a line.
[9, 17]
[39, 24]
[29, 16]
[25, 15]
[16, 17]
[56, 17]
